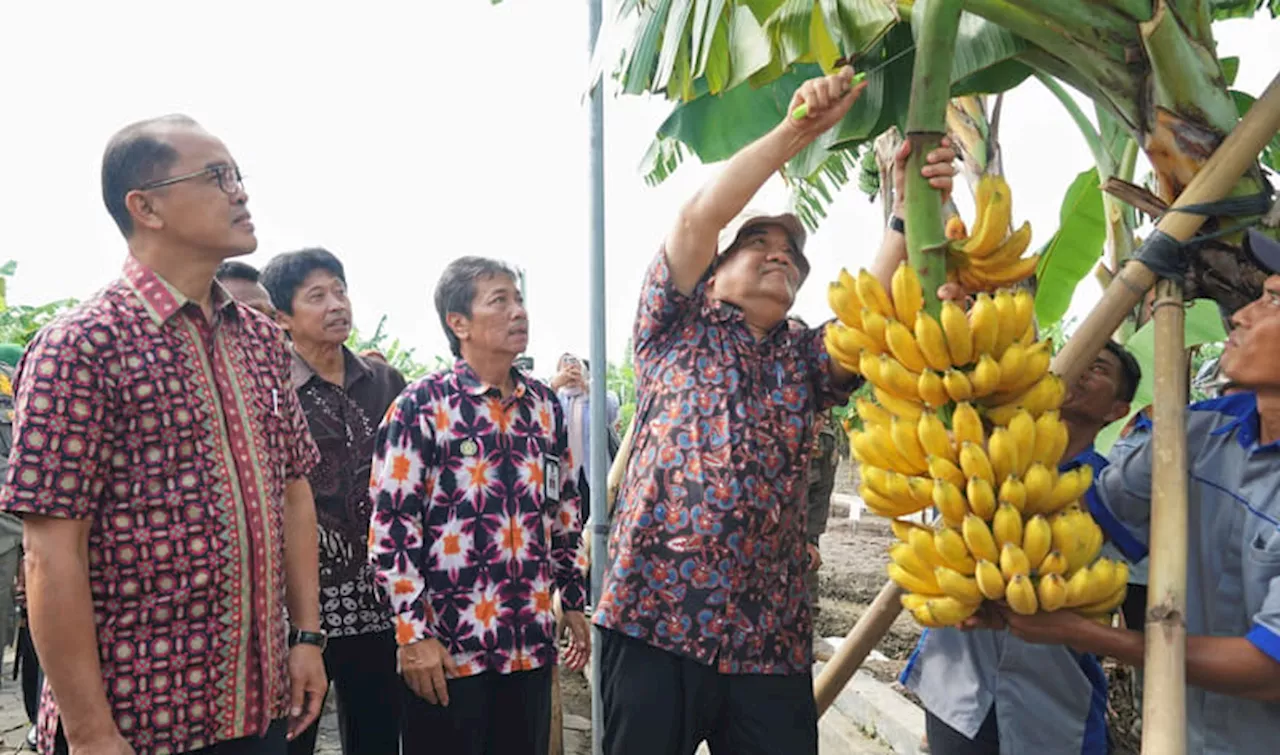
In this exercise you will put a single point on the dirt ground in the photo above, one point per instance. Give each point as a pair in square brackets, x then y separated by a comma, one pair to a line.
[852, 573]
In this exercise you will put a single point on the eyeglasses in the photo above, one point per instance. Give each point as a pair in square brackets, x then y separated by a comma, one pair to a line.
[228, 176]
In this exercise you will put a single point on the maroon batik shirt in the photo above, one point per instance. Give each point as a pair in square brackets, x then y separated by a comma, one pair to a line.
[175, 436]
[708, 549]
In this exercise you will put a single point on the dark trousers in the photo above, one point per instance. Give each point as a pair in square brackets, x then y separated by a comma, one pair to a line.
[660, 703]
[487, 714]
[944, 740]
[32, 678]
[363, 672]
[271, 743]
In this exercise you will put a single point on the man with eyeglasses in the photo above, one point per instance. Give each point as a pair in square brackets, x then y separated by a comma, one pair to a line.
[159, 463]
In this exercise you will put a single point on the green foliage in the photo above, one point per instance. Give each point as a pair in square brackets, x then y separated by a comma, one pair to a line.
[621, 379]
[20, 323]
[397, 355]
[1073, 250]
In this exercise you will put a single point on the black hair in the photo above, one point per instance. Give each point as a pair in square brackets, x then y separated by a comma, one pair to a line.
[284, 274]
[135, 156]
[1130, 372]
[456, 290]
[235, 270]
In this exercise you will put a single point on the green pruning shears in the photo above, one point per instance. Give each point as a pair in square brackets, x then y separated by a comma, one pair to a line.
[802, 109]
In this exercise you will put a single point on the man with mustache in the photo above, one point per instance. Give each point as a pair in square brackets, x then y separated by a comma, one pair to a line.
[344, 397]
[159, 464]
[987, 692]
[242, 281]
[475, 525]
[705, 626]
[1233, 551]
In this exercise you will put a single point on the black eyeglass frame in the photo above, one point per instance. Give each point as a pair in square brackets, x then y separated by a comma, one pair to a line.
[230, 180]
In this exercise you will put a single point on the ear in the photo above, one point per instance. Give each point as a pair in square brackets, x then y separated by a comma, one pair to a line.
[460, 324]
[284, 321]
[143, 211]
[1119, 410]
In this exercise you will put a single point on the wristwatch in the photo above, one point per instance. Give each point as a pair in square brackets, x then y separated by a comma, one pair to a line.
[299, 636]
[896, 224]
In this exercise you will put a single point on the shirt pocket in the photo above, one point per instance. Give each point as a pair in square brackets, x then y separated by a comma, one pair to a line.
[1261, 564]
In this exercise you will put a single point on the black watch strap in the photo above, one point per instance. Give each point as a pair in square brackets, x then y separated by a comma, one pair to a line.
[896, 224]
[302, 637]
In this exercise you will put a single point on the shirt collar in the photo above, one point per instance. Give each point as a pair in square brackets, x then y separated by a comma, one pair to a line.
[354, 368]
[1088, 456]
[717, 310]
[470, 382]
[1242, 408]
[162, 300]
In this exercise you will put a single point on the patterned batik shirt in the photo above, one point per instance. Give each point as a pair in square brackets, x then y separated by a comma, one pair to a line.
[708, 544]
[476, 520]
[175, 435]
[344, 423]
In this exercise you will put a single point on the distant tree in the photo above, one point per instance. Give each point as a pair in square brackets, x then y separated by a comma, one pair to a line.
[397, 355]
[20, 323]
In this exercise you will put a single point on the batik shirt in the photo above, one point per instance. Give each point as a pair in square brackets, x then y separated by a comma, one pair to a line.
[476, 520]
[344, 423]
[175, 435]
[708, 544]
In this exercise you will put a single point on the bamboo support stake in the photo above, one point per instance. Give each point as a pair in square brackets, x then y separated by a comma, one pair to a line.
[1164, 703]
[870, 627]
[1218, 176]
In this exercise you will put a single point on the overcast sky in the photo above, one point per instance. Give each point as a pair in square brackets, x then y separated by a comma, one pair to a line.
[401, 135]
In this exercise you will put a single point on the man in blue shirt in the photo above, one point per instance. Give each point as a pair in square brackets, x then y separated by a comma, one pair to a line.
[986, 692]
[1233, 550]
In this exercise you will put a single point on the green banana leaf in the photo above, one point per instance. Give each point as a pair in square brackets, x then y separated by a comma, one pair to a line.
[1203, 325]
[1074, 249]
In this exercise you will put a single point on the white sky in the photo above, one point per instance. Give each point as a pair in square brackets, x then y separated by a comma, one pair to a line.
[401, 135]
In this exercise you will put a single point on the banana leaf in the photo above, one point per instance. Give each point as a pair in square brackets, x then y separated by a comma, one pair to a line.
[1074, 249]
[1203, 325]
[1271, 154]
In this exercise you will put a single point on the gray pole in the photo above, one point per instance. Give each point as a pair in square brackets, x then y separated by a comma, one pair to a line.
[599, 524]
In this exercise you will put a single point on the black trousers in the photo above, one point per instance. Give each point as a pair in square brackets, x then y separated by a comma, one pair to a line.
[32, 678]
[660, 703]
[487, 714]
[944, 740]
[271, 743]
[363, 672]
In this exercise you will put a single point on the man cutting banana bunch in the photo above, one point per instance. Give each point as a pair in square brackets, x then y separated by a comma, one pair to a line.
[706, 632]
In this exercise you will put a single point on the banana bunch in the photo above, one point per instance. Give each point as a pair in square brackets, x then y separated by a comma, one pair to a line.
[990, 257]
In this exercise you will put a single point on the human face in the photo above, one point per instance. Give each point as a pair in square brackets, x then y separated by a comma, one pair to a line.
[321, 311]
[250, 294]
[198, 213]
[498, 325]
[1094, 399]
[1251, 359]
[759, 274]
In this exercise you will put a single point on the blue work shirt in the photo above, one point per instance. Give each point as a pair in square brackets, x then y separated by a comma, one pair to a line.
[1048, 699]
[1233, 553]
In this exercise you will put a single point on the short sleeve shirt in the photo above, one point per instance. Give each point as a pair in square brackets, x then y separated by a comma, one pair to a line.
[175, 435]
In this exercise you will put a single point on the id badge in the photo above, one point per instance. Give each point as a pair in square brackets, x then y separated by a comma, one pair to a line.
[551, 474]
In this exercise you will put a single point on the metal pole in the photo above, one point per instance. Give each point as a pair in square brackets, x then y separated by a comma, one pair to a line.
[598, 527]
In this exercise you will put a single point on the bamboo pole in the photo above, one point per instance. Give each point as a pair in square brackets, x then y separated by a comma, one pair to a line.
[1164, 701]
[870, 627]
[1218, 176]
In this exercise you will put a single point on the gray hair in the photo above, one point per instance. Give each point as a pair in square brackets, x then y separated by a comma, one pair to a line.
[456, 290]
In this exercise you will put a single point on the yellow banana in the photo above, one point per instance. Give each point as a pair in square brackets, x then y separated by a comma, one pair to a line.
[984, 324]
[1034, 368]
[903, 346]
[1101, 580]
[848, 359]
[866, 451]
[1107, 604]
[985, 376]
[906, 557]
[948, 611]
[1045, 395]
[1093, 541]
[955, 325]
[974, 463]
[878, 479]
[1054, 563]
[911, 582]
[957, 385]
[966, 425]
[978, 280]
[869, 367]
[879, 435]
[1008, 251]
[908, 298]
[981, 498]
[1002, 453]
[1038, 483]
[1078, 588]
[873, 295]
[854, 340]
[931, 389]
[1070, 487]
[911, 601]
[1024, 305]
[874, 324]
[991, 221]
[1047, 425]
[932, 342]
[941, 468]
[1113, 596]
[933, 437]
[950, 502]
[1022, 429]
[904, 437]
[1020, 594]
[1013, 561]
[924, 618]
[843, 298]
[872, 414]
[990, 580]
[982, 545]
[898, 380]
[955, 554]
[1007, 318]
[899, 407]
[956, 585]
[921, 490]
[889, 508]
[1013, 492]
[902, 529]
[922, 543]
[1007, 526]
[1012, 361]
[1037, 539]
[1052, 592]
